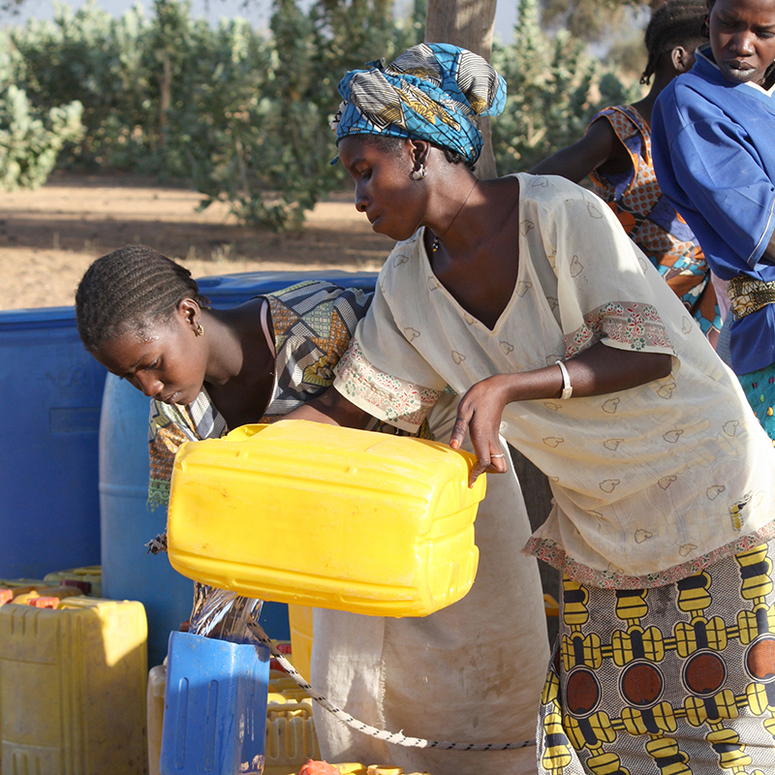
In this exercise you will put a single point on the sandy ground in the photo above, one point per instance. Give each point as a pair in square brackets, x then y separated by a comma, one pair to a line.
[50, 236]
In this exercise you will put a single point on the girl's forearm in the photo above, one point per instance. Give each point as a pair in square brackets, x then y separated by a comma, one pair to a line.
[331, 408]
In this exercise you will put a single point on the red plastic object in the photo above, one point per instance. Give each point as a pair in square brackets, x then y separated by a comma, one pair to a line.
[284, 647]
[6, 595]
[44, 602]
[313, 767]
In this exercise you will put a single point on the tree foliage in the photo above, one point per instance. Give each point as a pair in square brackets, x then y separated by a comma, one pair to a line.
[31, 135]
[30, 140]
[592, 20]
[283, 144]
[554, 88]
[11, 7]
[244, 116]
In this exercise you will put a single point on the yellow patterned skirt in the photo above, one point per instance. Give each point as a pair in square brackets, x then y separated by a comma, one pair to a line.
[671, 680]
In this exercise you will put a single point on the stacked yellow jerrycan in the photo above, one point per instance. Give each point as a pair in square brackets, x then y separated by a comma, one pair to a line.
[73, 688]
[307, 513]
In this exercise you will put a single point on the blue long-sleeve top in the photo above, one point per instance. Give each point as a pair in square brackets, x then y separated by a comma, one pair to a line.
[713, 145]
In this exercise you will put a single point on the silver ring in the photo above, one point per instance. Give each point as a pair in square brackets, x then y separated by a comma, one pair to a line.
[492, 456]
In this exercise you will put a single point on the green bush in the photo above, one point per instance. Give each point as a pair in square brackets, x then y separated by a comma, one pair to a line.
[554, 89]
[89, 56]
[244, 117]
[31, 140]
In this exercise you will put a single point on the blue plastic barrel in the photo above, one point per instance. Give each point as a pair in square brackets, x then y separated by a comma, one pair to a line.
[128, 571]
[232, 289]
[127, 523]
[51, 392]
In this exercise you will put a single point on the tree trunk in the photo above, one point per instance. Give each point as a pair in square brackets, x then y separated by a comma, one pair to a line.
[466, 23]
[469, 23]
[165, 96]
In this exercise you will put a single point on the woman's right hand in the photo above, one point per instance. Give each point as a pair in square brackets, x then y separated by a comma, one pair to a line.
[479, 414]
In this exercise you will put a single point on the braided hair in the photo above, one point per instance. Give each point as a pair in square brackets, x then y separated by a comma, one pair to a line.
[129, 289]
[675, 23]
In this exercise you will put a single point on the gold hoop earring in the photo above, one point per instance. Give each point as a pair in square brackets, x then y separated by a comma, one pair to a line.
[199, 331]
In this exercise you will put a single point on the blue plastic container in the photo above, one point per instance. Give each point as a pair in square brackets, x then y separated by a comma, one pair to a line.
[51, 392]
[127, 523]
[214, 707]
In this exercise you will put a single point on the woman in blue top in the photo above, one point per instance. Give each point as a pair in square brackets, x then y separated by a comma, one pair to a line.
[714, 155]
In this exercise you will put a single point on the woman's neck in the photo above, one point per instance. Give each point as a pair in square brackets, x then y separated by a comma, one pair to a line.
[645, 106]
[242, 377]
[478, 261]
[475, 216]
[238, 349]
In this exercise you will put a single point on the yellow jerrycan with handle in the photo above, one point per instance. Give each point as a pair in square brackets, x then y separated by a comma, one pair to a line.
[318, 515]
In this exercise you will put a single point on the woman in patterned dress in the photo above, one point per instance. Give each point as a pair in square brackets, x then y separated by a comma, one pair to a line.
[525, 296]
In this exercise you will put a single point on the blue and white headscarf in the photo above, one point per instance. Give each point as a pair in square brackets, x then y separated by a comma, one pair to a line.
[433, 91]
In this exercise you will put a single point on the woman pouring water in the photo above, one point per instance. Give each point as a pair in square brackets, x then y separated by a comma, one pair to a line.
[525, 296]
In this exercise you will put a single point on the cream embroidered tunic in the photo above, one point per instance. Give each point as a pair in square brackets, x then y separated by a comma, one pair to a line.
[650, 484]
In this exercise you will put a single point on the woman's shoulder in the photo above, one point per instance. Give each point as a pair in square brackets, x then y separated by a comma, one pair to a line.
[315, 303]
[621, 115]
[545, 193]
[626, 121]
[308, 295]
[306, 289]
[687, 105]
[702, 86]
[562, 218]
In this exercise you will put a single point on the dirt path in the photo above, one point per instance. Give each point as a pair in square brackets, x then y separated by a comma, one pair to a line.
[49, 237]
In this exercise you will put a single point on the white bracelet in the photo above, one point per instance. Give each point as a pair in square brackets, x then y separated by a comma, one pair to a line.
[567, 388]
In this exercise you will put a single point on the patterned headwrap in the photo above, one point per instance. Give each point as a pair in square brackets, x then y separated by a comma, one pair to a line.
[433, 91]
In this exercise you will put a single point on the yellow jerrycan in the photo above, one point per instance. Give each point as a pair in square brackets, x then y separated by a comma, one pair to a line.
[73, 688]
[318, 515]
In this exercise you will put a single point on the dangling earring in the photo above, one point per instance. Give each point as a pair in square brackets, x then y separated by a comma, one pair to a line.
[419, 173]
[705, 29]
[199, 330]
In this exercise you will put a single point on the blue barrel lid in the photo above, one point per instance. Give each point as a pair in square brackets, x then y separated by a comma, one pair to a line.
[227, 290]
[42, 317]
[223, 290]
